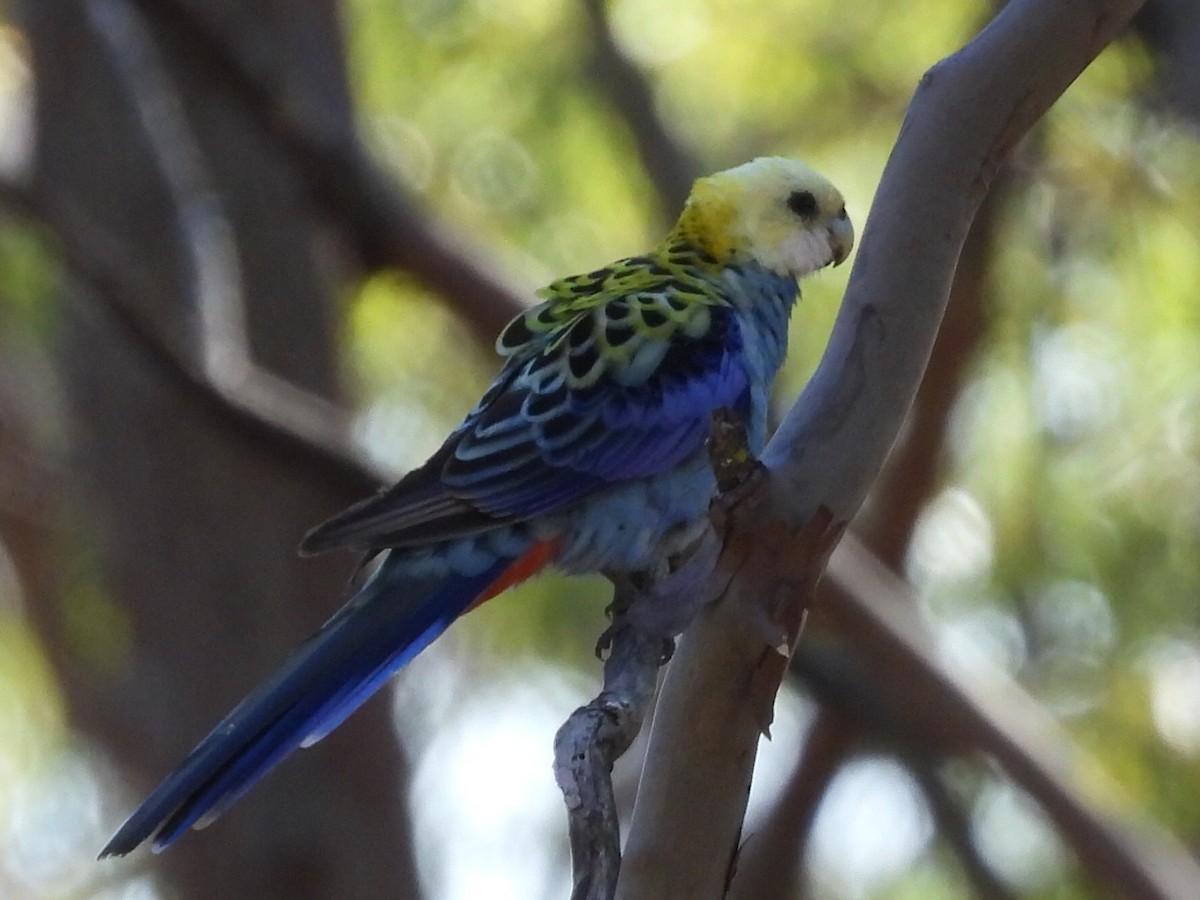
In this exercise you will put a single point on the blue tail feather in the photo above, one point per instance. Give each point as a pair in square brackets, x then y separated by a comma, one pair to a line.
[386, 624]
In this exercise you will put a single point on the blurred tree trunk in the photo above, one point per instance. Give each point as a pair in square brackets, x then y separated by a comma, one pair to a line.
[188, 518]
[1171, 28]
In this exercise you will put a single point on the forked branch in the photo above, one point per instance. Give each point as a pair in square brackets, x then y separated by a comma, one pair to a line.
[967, 115]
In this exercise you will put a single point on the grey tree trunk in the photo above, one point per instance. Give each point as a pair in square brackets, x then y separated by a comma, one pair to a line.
[177, 194]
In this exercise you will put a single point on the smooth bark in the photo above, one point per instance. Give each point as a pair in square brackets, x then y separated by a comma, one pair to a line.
[966, 117]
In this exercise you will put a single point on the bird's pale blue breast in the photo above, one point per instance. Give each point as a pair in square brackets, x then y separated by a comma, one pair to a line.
[636, 524]
[764, 302]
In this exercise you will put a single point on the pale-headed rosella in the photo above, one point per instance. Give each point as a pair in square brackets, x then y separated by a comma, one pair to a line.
[586, 453]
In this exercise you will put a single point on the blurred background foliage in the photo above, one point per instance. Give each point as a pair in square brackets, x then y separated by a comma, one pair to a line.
[1061, 540]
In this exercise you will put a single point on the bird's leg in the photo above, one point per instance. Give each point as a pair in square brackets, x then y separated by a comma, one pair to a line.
[648, 609]
[628, 589]
[615, 612]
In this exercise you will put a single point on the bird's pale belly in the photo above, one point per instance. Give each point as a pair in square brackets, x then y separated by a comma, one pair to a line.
[633, 527]
[637, 526]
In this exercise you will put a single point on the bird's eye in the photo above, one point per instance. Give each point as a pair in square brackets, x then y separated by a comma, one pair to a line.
[803, 204]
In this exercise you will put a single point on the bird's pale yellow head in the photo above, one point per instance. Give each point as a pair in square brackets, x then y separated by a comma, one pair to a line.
[775, 211]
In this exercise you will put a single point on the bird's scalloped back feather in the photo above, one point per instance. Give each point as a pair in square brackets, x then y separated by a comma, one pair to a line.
[614, 377]
[615, 374]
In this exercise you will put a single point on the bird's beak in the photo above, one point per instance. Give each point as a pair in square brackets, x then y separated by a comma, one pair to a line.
[841, 238]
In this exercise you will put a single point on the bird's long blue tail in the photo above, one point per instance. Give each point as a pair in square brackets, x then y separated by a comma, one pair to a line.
[384, 626]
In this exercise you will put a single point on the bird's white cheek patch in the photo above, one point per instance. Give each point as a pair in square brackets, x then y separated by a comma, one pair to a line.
[800, 254]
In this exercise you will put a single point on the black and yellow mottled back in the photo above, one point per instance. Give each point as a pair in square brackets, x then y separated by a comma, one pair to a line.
[618, 321]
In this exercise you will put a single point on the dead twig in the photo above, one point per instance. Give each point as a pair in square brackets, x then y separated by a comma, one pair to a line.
[593, 738]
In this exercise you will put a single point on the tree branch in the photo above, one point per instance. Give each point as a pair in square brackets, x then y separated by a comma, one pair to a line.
[282, 427]
[671, 167]
[219, 372]
[832, 444]
[911, 473]
[214, 280]
[103, 262]
[771, 862]
[954, 825]
[991, 713]
[592, 739]
[386, 228]
[769, 858]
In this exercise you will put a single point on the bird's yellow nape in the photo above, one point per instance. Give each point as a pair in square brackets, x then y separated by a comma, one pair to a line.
[776, 211]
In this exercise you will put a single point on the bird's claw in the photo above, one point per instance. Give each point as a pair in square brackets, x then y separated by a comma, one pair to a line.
[605, 641]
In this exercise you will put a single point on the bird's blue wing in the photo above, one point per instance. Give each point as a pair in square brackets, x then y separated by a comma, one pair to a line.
[548, 443]
[623, 389]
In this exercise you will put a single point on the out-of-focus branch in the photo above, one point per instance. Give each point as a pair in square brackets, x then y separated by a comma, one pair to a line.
[1172, 28]
[386, 227]
[215, 278]
[989, 712]
[852, 716]
[192, 482]
[832, 445]
[283, 427]
[671, 166]
[769, 860]
[218, 373]
[954, 825]
[910, 475]
[896, 688]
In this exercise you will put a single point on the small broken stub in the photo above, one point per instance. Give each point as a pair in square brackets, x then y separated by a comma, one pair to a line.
[733, 464]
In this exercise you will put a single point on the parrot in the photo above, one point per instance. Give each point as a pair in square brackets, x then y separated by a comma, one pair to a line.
[586, 453]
